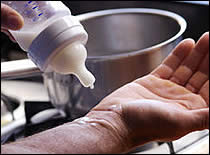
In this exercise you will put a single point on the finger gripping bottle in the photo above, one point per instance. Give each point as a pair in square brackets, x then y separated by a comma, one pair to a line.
[54, 39]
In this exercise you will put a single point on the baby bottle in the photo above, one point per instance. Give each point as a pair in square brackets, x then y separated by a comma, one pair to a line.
[54, 39]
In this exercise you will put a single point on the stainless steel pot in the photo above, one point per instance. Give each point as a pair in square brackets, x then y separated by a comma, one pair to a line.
[124, 44]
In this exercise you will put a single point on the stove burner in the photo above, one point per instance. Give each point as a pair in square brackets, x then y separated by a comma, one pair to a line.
[30, 128]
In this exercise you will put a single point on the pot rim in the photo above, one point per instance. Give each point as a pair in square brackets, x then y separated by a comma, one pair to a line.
[179, 19]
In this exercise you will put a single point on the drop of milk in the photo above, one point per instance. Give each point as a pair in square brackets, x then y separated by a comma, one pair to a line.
[92, 86]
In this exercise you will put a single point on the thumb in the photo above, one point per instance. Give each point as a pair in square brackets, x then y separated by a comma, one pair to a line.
[10, 19]
[200, 119]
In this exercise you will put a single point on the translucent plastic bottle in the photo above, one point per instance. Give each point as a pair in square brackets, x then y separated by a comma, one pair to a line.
[54, 39]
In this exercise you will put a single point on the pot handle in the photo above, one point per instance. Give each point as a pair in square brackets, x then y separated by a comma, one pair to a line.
[18, 68]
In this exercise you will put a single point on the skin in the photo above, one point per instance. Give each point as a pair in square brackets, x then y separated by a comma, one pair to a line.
[168, 103]
[10, 19]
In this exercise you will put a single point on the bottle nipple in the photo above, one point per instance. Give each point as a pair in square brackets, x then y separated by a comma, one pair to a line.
[85, 76]
[71, 60]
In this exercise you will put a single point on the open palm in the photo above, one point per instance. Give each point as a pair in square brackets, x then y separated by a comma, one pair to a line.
[168, 103]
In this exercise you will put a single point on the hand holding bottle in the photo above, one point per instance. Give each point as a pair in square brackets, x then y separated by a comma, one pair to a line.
[10, 19]
[50, 35]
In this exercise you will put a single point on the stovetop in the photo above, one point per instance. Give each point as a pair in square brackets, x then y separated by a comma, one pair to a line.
[30, 114]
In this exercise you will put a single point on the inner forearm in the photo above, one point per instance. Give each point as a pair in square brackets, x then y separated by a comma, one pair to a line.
[75, 137]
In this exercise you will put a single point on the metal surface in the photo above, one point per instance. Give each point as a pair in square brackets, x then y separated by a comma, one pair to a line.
[196, 2]
[18, 68]
[20, 92]
[196, 142]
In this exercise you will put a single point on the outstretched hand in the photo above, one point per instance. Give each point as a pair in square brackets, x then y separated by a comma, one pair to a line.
[165, 105]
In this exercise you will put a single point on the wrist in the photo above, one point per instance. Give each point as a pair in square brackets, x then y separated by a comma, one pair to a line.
[109, 135]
